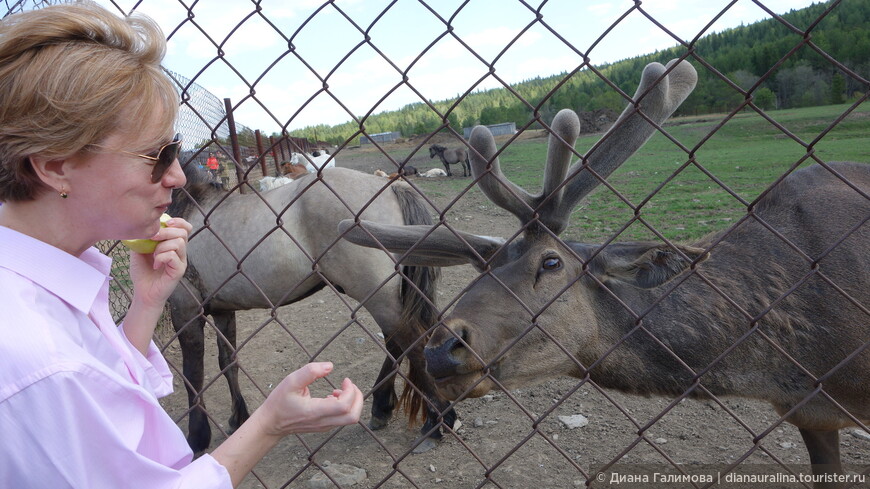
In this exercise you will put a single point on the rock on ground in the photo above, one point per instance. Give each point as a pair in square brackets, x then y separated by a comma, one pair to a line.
[344, 475]
[575, 421]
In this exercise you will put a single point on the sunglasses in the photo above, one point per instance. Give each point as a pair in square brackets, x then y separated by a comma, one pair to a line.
[166, 155]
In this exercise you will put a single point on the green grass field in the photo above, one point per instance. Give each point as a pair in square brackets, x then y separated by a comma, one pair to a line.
[746, 155]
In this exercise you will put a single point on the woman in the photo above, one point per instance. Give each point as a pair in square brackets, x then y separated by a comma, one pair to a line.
[87, 153]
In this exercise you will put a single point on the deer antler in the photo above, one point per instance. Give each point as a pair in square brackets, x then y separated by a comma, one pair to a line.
[504, 193]
[656, 98]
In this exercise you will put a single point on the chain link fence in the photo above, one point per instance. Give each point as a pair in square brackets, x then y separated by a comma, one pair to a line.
[273, 284]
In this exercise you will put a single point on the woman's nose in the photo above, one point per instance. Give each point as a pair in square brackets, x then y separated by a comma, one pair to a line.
[174, 176]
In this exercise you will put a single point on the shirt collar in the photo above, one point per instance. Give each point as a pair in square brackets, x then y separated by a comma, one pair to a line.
[76, 280]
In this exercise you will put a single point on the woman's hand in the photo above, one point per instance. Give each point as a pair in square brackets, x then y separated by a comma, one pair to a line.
[155, 276]
[291, 409]
[288, 409]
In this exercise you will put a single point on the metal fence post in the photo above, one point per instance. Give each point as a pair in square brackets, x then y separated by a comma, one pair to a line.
[234, 142]
[261, 155]
[274, 155]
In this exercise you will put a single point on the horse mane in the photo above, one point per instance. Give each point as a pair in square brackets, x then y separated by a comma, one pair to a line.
[417, 294]
[198, 188]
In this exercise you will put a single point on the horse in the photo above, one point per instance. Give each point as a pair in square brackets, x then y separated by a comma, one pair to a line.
[405, 171]
[450, 156]
[249, 251]
[433, 172]
[293, 170]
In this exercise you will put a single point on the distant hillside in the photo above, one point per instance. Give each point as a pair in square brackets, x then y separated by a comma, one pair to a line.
[743, 55]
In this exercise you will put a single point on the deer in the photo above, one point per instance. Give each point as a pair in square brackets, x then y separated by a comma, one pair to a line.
[775, 308]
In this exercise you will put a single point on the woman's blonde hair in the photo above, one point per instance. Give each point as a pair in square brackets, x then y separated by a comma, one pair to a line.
[69, 76]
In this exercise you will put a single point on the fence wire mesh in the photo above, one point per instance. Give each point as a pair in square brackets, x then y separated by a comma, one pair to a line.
[273, 284]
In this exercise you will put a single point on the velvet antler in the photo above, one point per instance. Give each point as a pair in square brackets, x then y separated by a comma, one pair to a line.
[662, 89]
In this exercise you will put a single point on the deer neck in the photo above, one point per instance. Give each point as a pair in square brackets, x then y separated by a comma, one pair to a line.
[668, 341]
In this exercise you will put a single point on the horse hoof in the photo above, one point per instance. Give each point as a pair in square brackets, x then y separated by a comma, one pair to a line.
[376, 424]
[425, 446]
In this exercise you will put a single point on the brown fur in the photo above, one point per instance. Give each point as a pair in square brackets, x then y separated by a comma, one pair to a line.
[293, 171]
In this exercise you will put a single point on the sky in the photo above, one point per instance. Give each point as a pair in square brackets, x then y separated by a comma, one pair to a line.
[365, 79]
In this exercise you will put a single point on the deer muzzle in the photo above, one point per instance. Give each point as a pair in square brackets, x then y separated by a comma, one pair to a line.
[451, 360]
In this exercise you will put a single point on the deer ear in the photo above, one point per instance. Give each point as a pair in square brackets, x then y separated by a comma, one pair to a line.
[423, 245]
[651, 265]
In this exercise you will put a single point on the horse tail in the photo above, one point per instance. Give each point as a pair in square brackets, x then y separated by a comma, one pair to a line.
[417, 294]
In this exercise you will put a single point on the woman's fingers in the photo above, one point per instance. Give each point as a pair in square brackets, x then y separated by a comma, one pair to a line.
[179, 223]
[352, 394]
[171, 250]
[307, 374]
[295, 411]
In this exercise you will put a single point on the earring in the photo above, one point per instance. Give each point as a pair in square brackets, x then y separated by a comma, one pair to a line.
[63, 193]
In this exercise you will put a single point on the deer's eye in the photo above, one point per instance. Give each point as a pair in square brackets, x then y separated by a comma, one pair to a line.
[551, 263]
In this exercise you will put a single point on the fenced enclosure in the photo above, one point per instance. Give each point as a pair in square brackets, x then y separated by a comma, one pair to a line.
[704, 170]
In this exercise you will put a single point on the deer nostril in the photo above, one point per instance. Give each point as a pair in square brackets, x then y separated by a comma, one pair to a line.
[440, 361]
[463, 335]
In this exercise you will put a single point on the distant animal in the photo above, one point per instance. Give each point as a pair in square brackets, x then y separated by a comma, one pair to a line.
[268, 183]
[450, 156]
[247, 260]
[433, 172]
[293, 170]
[404, 171]
[314, 161]
[775, 308]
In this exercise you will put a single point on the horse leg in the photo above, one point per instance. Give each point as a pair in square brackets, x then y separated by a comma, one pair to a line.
[191, 337]
[226, 324]
[824, 450]
[446, 165]
[434, 404]
[384, 397]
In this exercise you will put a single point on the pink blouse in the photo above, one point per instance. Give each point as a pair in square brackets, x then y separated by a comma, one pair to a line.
[78, 403]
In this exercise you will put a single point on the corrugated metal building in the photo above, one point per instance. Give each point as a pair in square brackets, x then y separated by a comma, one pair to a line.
[381, 137]
[495, 129]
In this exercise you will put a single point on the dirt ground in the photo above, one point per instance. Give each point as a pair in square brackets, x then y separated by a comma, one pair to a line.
[506, 440]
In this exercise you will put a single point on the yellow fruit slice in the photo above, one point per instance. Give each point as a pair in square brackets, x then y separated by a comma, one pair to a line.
[145, 246]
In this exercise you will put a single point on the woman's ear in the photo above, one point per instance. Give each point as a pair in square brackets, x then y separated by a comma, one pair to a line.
[52, 172]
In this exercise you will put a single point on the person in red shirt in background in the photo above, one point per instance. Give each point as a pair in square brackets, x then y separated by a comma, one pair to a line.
[212, 164]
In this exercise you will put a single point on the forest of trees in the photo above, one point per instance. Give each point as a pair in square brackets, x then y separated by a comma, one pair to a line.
[765, 62]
